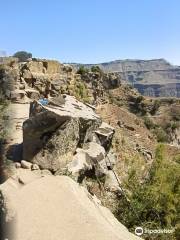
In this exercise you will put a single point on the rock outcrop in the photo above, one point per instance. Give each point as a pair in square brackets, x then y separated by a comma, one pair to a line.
[54, 131]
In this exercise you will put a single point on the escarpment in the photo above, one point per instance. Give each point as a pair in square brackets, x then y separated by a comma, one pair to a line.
[153, 78]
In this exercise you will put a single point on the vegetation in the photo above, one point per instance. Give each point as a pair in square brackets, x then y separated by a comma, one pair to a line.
[155, 203]
[96, 69]
[82, 70]
[161, 135]
[81, 92]
[155, 107]
[162, 131]
[141, 106]
[175, 112]
[149, 123]
[22, 56]
[3, 136]
[138, 105]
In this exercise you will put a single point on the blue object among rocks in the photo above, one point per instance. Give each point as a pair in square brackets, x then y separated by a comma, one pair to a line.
[43, 101]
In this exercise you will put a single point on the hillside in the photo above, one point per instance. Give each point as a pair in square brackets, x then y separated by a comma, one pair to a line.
[99, 139]
[156, 78]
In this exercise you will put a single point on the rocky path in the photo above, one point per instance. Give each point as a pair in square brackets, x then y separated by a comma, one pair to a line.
[17, 114]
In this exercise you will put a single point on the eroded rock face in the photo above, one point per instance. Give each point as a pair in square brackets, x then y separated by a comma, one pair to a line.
[60, 208]
[155, 78]
[58, 149]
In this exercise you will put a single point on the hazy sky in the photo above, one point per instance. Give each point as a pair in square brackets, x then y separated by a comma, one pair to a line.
[92, 31]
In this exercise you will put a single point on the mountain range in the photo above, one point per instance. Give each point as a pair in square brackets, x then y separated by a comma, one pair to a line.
[155, 78]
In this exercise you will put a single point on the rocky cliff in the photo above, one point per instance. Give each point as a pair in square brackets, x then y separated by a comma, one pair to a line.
[86, 130]
[55, 134]
[156, 78]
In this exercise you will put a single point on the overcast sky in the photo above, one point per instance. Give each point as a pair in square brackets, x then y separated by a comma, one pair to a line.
[92, 31]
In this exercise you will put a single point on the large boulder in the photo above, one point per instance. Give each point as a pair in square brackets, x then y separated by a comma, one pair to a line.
[58, 208]
[105, 133]
[89, 158]
[58, 150]
[55, 129]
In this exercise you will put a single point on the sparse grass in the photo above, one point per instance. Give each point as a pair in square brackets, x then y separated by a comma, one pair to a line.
[149, 123]
[154, 204]
[161, 135]
[81, 92]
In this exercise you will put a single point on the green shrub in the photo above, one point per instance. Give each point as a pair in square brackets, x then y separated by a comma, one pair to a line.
[175, 112]
[161, 135]
[82, 70]
[96, 69]
[138, 106]
[155, 107]
[177, 158]
[149, 123]
[155, 203]
[139, 99]
[81, 92]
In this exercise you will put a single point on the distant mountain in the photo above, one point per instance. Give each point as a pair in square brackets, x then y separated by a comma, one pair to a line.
[155, 77]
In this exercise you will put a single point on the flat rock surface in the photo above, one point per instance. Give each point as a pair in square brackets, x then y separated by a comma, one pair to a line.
[54, 208]
[73, 108]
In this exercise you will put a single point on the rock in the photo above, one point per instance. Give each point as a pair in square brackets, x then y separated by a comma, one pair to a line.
[95, 151]
[34, 167]
[21, 86]
[147, 153]
[94, 138]
[45, 172]
[27, 75]
[57, 101]
[105, 134]
[56, 85]
[25, 176]
[120, 123]
[53, 131]
[111, 182]
[80, 164]
[26, 165]
[111, 159]
[101, 169]
[32, 94]
[52, 66]
[67, 211]
[8, 190]
[91, 157]
[34, 66]
[17, 164]
[57, 151]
